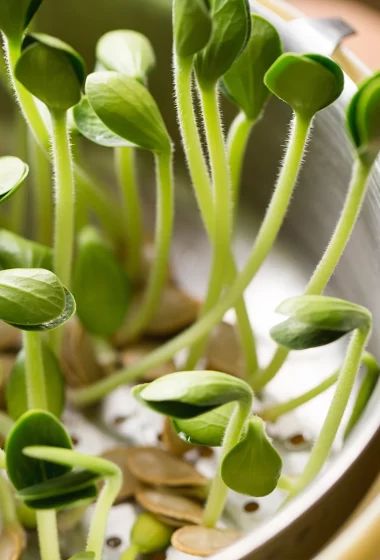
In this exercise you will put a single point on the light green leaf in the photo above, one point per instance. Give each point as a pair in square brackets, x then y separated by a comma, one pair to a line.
[307, 83]
[15, 16]
[100, 285]
[18, 252]
[83, 556]
[206, 429]
[363, 118]
[191, 26]
[127, 52]
[149, 534]
[253, 466]
[51, 70]
[92, 128]
[127, 108]
[230, 32]
[13, 171]
[16, 391]
[244, 81]
[191, 393]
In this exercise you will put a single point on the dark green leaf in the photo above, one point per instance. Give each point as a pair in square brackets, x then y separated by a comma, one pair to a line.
[230, 33]
[16, 392]
[191, 26]
[15, 15]
[207, 428]
[149, 534]
[127, 108]
[13, 171]
[128, 52]
[363, 118]
[366, 389]
[308, 83]
[35, 427]
[70, 500]
[253, 466]
[51, 70]
[100, 285]
[61, 486]
[244, 81]
[92, 128]
[18, 252]
[191, 393]
[298, 336]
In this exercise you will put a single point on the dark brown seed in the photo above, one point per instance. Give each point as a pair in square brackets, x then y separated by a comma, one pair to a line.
[113, 542]
[297, 439]
[205, 451]
[250, 507]
[119, 420]
[74, 439]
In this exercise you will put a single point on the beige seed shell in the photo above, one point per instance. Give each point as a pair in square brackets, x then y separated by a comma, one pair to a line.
[130, 485]
[168, 505]
[203, 541]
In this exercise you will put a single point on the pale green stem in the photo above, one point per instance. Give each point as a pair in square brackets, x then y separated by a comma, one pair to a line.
[285, 483]
[42, 192]
[19, 200]
[218, 491]
[131, 553]
[48, 534]
[272, 413]
[237, 140]
[325, 440]
[330, 259]
[163, 234]
[34, 367]
[131, 205]
[202, 188]
[266, 236]
[7, 503]
[2, 459]
[6, 424]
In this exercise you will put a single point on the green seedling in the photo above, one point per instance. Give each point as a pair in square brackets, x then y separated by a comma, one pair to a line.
[16, 16]
[188, 395]
[315, 321]
[148, 535]
[54, 73]
[18, 252]
[13, 171]
[191, 26]
[99, 277]
[127, 108]
[364, 130]
[244, 85]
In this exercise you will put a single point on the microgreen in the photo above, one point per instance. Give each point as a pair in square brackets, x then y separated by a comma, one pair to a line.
[13, 172]
[99, 277]
[192, 26]
[18, 252]
[16, 16]
[148, 535]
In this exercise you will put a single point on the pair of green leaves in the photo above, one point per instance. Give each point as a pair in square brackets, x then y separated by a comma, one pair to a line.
[18, 252]
[196, 399]
[318, 320]
[34, 299]
[100, 285]
[15, 16]
[16, 391]
[363, 118]
[13, 172]
[307, 83]
[51, 70]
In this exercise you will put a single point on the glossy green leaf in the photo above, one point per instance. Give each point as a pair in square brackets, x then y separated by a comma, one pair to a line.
[128, 52]
[363, 118]
[127, 108]
[15, 16]
[35, 427]
[244, 81]
[149, 534]
[191, 393]
[206, 429]
[18, 252]
[16, 392]
[253, 466]
[51, 70]
[92, 128]
[13, 171]
[366, 389]
[191, 26]
[71, 500]
[317, 320]
[34, 299]
[307, 83]
[100, 285]
[230, 32]
[61, 486]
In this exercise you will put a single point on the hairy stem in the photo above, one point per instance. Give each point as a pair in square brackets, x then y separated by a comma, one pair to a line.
[331, 257]
[237, 140]
[131, 205]
[42, 192]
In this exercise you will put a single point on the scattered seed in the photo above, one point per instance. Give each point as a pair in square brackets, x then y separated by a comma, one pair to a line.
[170, 506]
[251, 507]
[224, 351]
[118, 420]
[297, 439]
[113, 542]
[205, 451]
[130, 486]
[138, 351]
[171, 440]
[203, 541]
[74, 439]
[12, 543]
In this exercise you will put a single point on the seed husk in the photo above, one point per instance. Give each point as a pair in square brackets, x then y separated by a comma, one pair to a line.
[170, 506]
[172, 442]
[157, 467]
[224, 351]
[137, 351]
[12, 542]
[130, 485]
[203, 541]
[10, 338]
